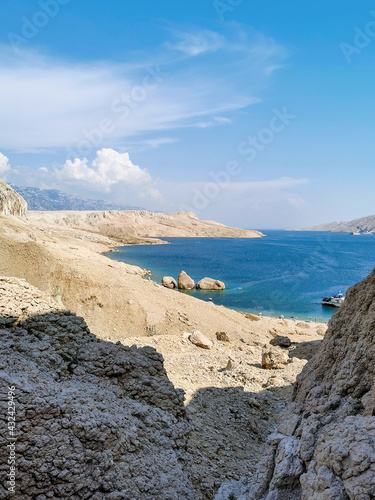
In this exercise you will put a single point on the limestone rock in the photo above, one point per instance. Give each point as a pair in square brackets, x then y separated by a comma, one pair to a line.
[185, 282]
[302, 324]
[281, 341]
[274, 358]
[252, 317]
[197, 338]
[325, 445]
[11, 203]
[223, 336]
[169, 282]
[210, 284]
[94, 419]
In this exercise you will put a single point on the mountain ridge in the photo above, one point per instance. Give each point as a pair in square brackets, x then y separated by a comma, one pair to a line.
[54, 200]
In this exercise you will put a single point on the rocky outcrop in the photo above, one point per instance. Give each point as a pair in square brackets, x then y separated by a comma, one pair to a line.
[210, 284]
[169, 282]
[324, 447]
[185, 282]
[93, 419]
[11, 203]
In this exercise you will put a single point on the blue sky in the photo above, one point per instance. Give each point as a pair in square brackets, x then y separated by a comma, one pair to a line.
[253, 114]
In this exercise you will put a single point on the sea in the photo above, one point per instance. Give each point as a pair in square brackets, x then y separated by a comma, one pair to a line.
[286, 273]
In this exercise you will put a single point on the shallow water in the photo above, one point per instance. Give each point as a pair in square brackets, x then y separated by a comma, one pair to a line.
[287, 272]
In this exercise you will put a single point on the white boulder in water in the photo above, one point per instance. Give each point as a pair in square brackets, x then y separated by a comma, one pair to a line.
[210, 284]
[169, 282]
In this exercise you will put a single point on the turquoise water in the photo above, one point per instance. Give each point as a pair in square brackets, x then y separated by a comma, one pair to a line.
[286, 272]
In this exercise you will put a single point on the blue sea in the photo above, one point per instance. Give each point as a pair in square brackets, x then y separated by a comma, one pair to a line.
[285, 273]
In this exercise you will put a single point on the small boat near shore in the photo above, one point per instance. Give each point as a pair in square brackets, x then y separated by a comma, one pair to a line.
[334, 300]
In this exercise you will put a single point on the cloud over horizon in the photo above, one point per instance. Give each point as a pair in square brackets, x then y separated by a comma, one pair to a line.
[107, 169]
[110, 173]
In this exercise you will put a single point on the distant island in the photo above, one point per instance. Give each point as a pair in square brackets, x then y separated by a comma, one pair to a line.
[363, 225]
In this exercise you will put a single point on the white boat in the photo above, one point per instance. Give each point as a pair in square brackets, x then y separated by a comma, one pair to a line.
[334, 300]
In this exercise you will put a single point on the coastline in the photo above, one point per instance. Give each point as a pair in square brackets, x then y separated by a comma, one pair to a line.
[224, 298]
[120, 306]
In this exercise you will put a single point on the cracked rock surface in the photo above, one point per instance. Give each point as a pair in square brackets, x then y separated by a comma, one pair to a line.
[93, 419]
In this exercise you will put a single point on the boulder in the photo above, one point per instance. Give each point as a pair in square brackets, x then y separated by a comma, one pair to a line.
[210, 284]
[274, 358]
[11, 203]
[197, 338]
[281, 341]
[185, 282]
[169, 282]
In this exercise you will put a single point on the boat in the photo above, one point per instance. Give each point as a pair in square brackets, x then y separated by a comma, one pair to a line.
[334, 300]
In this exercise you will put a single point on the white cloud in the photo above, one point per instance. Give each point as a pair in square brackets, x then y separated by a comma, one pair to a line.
[49, 103]
[107, 169]
[222, 119]
[195, 43]
[111, 176]
[4, 164]
[155, 143]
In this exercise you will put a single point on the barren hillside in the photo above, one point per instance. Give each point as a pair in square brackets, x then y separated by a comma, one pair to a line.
[363, 225]
[132, 225]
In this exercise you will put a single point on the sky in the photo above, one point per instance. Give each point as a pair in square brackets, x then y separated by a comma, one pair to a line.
[254, 114]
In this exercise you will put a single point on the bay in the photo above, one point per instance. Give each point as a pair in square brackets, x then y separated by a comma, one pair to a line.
[285, 273]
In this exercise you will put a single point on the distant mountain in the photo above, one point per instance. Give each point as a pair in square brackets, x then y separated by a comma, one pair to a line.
[53, 199]
[363, 225]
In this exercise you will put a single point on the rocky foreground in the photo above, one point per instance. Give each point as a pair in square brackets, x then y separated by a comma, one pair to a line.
[93, 419]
